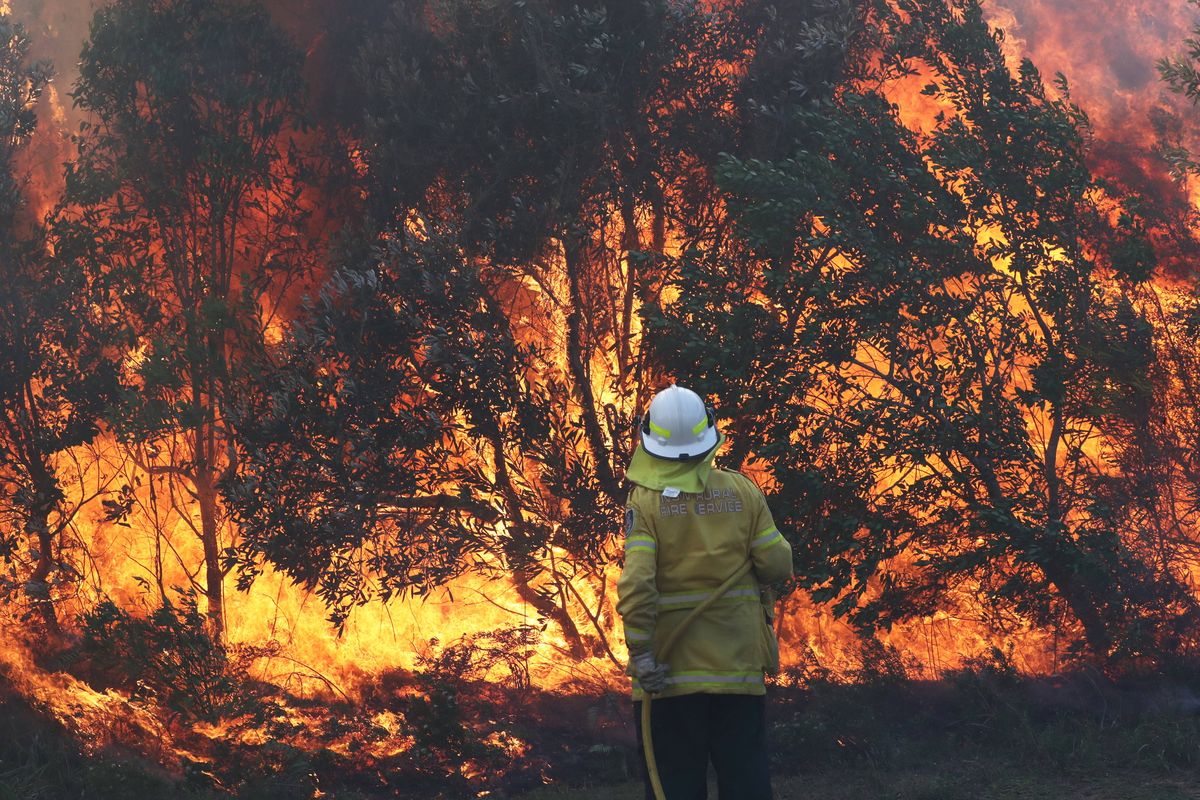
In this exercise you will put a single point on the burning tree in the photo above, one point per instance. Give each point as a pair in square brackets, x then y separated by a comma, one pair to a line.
[185, 210]
[53, 379]
[957, 309]
[949, 353]
[469, 384]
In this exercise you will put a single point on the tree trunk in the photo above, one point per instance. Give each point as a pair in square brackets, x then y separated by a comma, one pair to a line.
[1083, 605]
[518, 559]
[37, 589]
[650, 376]
[1057, 563]
[630, 245]
[214, 576]
[577, 363]
[548, 609]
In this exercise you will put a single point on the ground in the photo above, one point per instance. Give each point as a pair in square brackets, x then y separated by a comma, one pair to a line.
[996, 780]
[978, 735]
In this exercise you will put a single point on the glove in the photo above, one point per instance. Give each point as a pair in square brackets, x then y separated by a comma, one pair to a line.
[769, 598]
[650, 674]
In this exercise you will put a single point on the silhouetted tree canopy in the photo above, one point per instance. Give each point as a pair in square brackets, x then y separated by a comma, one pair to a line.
[936, 342]
[54, 380]
[883, 249]
[185, 207]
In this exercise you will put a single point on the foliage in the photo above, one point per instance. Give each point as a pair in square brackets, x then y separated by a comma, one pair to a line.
[1181, 73]
[356, 464]
[39, 760]
[540, 119]
[54, 381]
[169, 657]
[468, 378]
[946, 349]
[450, 716]
[184, 209]
[880, 664]
[937, 342]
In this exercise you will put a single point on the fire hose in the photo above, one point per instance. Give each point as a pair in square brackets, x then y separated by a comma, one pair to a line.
[661, 657]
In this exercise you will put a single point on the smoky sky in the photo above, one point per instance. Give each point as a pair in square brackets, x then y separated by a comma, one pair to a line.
[1107, 50]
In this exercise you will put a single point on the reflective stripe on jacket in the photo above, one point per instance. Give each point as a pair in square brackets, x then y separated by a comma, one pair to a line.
[678, 550]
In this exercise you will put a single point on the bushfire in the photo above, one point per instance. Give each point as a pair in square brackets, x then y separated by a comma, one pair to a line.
[326, 329]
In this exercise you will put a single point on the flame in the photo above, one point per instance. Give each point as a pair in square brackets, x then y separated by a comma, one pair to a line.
[131, 560]
[1107, 51]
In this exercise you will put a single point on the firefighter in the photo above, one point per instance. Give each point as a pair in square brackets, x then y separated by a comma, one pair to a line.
[688, 527]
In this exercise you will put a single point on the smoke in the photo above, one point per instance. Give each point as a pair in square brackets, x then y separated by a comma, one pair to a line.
[330, 34]
[326, 31]
[1108, 52]
[56, 29]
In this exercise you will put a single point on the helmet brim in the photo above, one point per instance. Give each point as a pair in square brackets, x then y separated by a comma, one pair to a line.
[687, 452]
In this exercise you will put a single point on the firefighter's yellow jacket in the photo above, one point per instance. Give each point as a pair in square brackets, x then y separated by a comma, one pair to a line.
[686, 531]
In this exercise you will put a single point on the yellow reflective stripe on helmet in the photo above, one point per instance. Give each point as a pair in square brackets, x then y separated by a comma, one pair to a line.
[700, 426]
[660, 430]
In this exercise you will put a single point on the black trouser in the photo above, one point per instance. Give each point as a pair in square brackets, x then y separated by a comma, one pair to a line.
[689, 730]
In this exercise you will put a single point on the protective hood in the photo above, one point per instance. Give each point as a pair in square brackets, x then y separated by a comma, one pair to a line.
[661, 473]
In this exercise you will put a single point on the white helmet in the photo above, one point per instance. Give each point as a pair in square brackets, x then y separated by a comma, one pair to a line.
[678, 425]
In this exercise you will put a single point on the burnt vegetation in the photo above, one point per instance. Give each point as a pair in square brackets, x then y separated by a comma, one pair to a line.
[391, 329]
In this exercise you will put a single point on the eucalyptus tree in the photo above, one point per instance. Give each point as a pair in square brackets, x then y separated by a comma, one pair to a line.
[1163, 454]
[54, 380]
[511, 154]
[527, 166]
[932, 337]
[186, 209]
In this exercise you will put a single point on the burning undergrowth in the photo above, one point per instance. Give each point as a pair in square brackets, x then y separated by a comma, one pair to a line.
[466, 718]
[465, 721]
[444, 731]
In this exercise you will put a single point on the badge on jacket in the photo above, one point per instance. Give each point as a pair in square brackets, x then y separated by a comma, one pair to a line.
[629, 520]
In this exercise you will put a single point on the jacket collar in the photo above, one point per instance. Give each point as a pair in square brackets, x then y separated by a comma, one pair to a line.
[661, 473]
